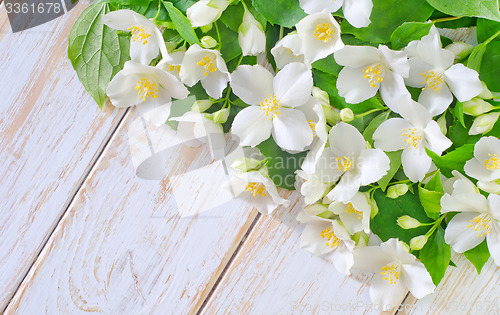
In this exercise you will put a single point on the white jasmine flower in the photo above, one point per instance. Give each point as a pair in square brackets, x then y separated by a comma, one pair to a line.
[150, 88]
[432, 69]
[323, 236]
[173, 64]
[395, 271]
[412, 133]
[484, 123]
[288, 50]
[257, 186]
[313, 189]
[368, 70]
[348, 158]
[356, 12]
[315, 116]
[478, 218]
[273, 105]
[205, 12]
[194, 125]
[251, 36]
[485, 165]
[207, 66]
[320, 36]
[354, 213]
[146, 39]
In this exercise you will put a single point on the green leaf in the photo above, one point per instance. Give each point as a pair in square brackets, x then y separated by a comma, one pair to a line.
[281, 165]
[282, 12]
[233, 16]
[455, 160]
[387, 15]
[327, 82]
[435, 184]
[459, 113]
[407, 32]
[373, 125]
[487, 9]
[96, 52]
[436, 255]
[395, 158]
[430, 196]
[485, 29]
[182, 5]
[384, 224]
[181, 23]
[230, 47]
[490, 66]
[478, 256]
[327, 65]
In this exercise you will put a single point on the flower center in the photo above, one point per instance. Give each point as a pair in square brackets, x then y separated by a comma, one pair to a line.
[312, 125]
[350, 210]
[374, 75]
[413, 137]
[481, 224]
[256, 189]
[344, 163]
[138, 34]
[146, 89]
[331, 240]
[208, 65]
[432, 81]
[176, 68]
[271, 106]
[324, 32]
[391, 273]
[493, 163]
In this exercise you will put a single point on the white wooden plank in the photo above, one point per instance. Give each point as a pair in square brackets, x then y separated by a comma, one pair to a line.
[122, 247]
[50, 133]
[462, 291]
[271, 274]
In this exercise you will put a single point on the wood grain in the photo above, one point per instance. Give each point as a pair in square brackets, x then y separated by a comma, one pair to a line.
[122, 247]
[51, 132]
[462, 291]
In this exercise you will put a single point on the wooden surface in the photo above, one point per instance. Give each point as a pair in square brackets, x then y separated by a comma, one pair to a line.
[82, 232]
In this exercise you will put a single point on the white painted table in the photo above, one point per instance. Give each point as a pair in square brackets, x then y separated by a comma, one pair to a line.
[81, 232]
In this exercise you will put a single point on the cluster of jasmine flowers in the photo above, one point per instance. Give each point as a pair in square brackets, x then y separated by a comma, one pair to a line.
[286, 106]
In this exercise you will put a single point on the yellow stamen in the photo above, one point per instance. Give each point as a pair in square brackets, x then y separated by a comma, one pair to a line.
[271, 106]
[208, 65]
[481, 224]
[374, 75]
[256, 189]
[138, 34]
[331, 240]
[176, 68]
[413, 139]
[344, 164]
[146, 89]
[391, 273]
[493, 163]
[350, 210]
[312, 125]
[432, 81]
[324, 32]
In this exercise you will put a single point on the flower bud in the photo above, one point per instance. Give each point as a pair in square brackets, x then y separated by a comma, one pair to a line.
[395, 191]
[247, 164]
[374, 206]
[205, 12]
[460, 50]
[360, 239]
[477, 106]
[201, 106]
[407, 222]
[331, 114]
[206, 28]
[251, 36]
[485, 93]
[208, 42]
[220, 116]
[346, 115]
[321, 96]
[418, 242]
[484, 123]
[442, 124]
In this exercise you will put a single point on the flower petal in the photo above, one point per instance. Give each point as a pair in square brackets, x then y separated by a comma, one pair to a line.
[315, 6]
[385, 294]
[253, 84]
[291, 131]
[461, 237]
[353, 86]
[437, 142]
[370, 258]
[215, 83]
[357, 56]
[392, 90]
[357, 12]
[312, 241]
[436, 101]
[346, 188]
[326, 168]
[252, 126]
[416, 163]
[372, 165]
[493, 242]
[417, 279]
[463, 82]
[293, 84]
[346, 140]
[388, 135]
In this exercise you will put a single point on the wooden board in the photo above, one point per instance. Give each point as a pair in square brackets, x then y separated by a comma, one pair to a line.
[51, 132]
[123, 247]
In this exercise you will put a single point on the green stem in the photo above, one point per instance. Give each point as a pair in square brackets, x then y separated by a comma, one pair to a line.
[218, 34]
[436, 224]
[450, 18]
[368, 112]
[159, 10]
[401, 182]
[281, 33]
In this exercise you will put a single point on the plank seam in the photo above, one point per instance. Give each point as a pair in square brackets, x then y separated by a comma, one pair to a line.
[228, 265]
[67, 205]
[399, 310]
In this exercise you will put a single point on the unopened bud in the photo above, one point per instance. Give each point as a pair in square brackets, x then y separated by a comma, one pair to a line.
[407, 222]
[247, 164]
[397, 190]
[374, 210]
[442, 124]
[418, 242]
[346, 115]
[201, 106]
[220, 116]
[477, 106]
[460, 49]
[486, 93]
[331, 115]
[321, 96]
[208, 42]
[484, 123]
